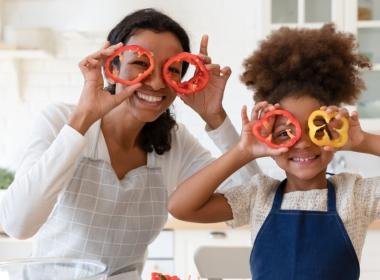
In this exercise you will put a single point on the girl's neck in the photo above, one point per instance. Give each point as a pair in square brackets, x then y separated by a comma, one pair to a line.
[297, 184]
[121, 128]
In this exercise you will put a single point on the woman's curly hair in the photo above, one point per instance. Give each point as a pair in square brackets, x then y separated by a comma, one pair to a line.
[322, 63]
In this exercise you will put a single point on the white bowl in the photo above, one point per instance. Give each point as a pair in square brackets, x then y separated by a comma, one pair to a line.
[53, 268]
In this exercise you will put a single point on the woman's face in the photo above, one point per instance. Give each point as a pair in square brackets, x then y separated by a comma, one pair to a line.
[154, 96]
[304, 160]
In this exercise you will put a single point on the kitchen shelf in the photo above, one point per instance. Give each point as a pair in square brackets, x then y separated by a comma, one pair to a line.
[23, 54]
[368, 24]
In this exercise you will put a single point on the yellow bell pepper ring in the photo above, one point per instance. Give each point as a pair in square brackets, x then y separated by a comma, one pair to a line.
[326, 138]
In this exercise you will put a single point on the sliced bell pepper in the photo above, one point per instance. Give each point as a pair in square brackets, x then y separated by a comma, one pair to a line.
[264, 122]
[160, 276]
[326, 139]
[197, 83]
[140, 52]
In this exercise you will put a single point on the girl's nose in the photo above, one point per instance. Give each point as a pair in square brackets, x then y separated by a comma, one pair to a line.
[304, 141]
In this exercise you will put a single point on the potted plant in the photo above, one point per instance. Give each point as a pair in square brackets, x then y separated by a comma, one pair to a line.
[6, 178]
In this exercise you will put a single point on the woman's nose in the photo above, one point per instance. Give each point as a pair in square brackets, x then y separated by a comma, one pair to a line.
[155, 80]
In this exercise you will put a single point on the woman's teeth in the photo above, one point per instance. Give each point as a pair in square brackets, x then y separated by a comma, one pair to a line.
[149, 98]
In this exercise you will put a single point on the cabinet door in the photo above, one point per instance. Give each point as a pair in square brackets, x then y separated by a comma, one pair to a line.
[371, 256]
[303, 13]
[162, 246]
[160, 255]
[188, 241]
[359, 163]
[162, 266]
[13, 249]
[362, 17]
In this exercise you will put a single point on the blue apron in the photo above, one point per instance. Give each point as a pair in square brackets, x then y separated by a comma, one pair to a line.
[307, 245]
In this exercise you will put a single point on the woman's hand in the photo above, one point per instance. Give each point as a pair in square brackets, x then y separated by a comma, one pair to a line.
[95, 101]
[248, 142]
[208, 102]
[355, 133]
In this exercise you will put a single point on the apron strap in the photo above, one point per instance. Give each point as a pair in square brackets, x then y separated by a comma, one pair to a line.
[278, 196]
[331, 197]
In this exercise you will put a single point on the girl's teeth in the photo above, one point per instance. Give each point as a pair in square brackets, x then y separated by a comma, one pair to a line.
[149, 98]
[304, 159]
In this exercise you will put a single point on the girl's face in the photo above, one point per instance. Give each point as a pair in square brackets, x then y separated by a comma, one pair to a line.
[304, 161]
[154, 96]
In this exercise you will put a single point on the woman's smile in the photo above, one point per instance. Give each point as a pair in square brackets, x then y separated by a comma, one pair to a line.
[152, 99]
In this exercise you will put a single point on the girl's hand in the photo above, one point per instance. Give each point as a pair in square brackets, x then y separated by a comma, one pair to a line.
[355, 133]
[95, 101]
[208, 102]
[248, 142]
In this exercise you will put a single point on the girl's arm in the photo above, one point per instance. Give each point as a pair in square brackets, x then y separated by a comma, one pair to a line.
[362, 142]
[358, 140]
[195, 199]
[370, 144]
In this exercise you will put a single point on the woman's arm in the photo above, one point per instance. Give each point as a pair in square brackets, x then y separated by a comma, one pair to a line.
[54, 149]
[208, 103]
[47, 165]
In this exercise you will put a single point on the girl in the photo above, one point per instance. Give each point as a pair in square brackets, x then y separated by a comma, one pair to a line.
[95, 179]
[307, 226]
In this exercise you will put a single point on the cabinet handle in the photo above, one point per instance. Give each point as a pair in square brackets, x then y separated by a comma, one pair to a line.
[218, 234]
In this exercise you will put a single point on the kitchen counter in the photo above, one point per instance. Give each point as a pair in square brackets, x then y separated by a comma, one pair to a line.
[173, 223]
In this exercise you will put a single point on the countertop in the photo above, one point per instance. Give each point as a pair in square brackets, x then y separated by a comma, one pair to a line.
[173, 223]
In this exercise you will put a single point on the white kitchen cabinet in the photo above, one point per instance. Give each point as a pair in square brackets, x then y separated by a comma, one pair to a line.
[360, 17]
[158, 265]
[188, 241]
[363, 19]
[11, 248]
[364, 164]
[160, 256]
[173, 250]
[300, 13]
[370, 269]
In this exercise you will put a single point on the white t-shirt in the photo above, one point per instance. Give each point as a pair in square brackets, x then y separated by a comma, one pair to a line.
[357, 203]
[55, 149]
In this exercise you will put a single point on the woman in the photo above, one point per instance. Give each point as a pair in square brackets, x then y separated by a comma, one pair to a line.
[95, 180]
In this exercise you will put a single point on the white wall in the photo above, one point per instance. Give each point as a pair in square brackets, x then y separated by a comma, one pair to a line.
[80, 27]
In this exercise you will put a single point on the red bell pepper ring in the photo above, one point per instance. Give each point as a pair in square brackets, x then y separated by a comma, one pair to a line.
[196, 83]
[140, 52]
[264, 122]
[159, 276]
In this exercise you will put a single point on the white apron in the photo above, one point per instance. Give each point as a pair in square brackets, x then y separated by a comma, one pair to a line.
[101, 217]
